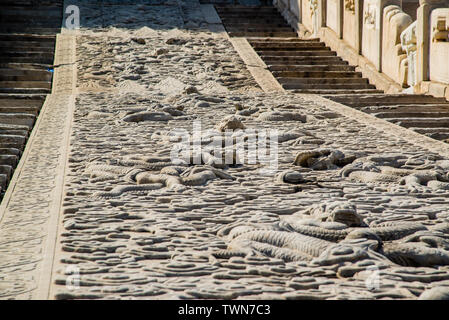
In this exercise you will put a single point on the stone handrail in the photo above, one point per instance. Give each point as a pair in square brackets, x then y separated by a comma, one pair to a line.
[382, 37]
[394, 57]
[408, 43]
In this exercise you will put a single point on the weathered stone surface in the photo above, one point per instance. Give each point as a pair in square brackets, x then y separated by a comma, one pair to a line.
[135, 225]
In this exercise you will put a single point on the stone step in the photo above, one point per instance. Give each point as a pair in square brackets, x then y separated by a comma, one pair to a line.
[25, 84]
[23, 133]
[249, 15]
[3, 184]
[39, 6]
[437, 135]
[43, 12]
[261, 34]
[24, 66]
[317, 74]
[310, 68]
[294, 54]
[9, 139]
[39, 77]
[256, 25]
[330, 60]
[333, 86]
[337, 91]
[25, 47]
[405, 108]
[19, 104]
[11, 99]
[15, 21]
[230, 21]
[5, 169]
[238, 9]
[318, 81]
[264, 28]
[17, 127]
[29, 29]
[431, 130]
[16, 145]
[17, 119]
[32, 74]
[296, 48]
[35, 54]
[29, 59]
[8, 160]
[45, 39]
[29, 110]
[235, 21]
[21, 97]
[257, 45]
[282, 40]
[385, 99]
[25, 90]
[396, 115]
[420, 123]
[56, 3]
[16, 152]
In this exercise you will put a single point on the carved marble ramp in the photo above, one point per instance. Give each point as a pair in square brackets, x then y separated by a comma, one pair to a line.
[30, 208]
[134, 226]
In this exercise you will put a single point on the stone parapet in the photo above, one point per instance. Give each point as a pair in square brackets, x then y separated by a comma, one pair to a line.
[368, 69]
[378, 36]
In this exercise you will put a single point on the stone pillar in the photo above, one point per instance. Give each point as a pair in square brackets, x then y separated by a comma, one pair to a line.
[373, 29]
[340, 18]
[423, 36]
[350, 23]
[334, 16]
[315, 8]
[439, 46]
[359, 19]
[323, 13]
[408, 42]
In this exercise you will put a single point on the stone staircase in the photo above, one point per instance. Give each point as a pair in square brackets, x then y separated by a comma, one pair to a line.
[422, 113]
[27, 43]
[31, 16]
[309, 66]
[260, 21]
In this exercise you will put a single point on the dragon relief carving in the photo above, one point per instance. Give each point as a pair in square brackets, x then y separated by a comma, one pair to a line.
[335, 234]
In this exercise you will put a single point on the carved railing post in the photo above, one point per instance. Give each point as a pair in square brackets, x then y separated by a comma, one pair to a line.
[373, 29]
[359, 18]
[334, 16]
[352, 23]
[314, 4]
[408, 43]
[323, 12]
[439, 47]
[423, 36]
